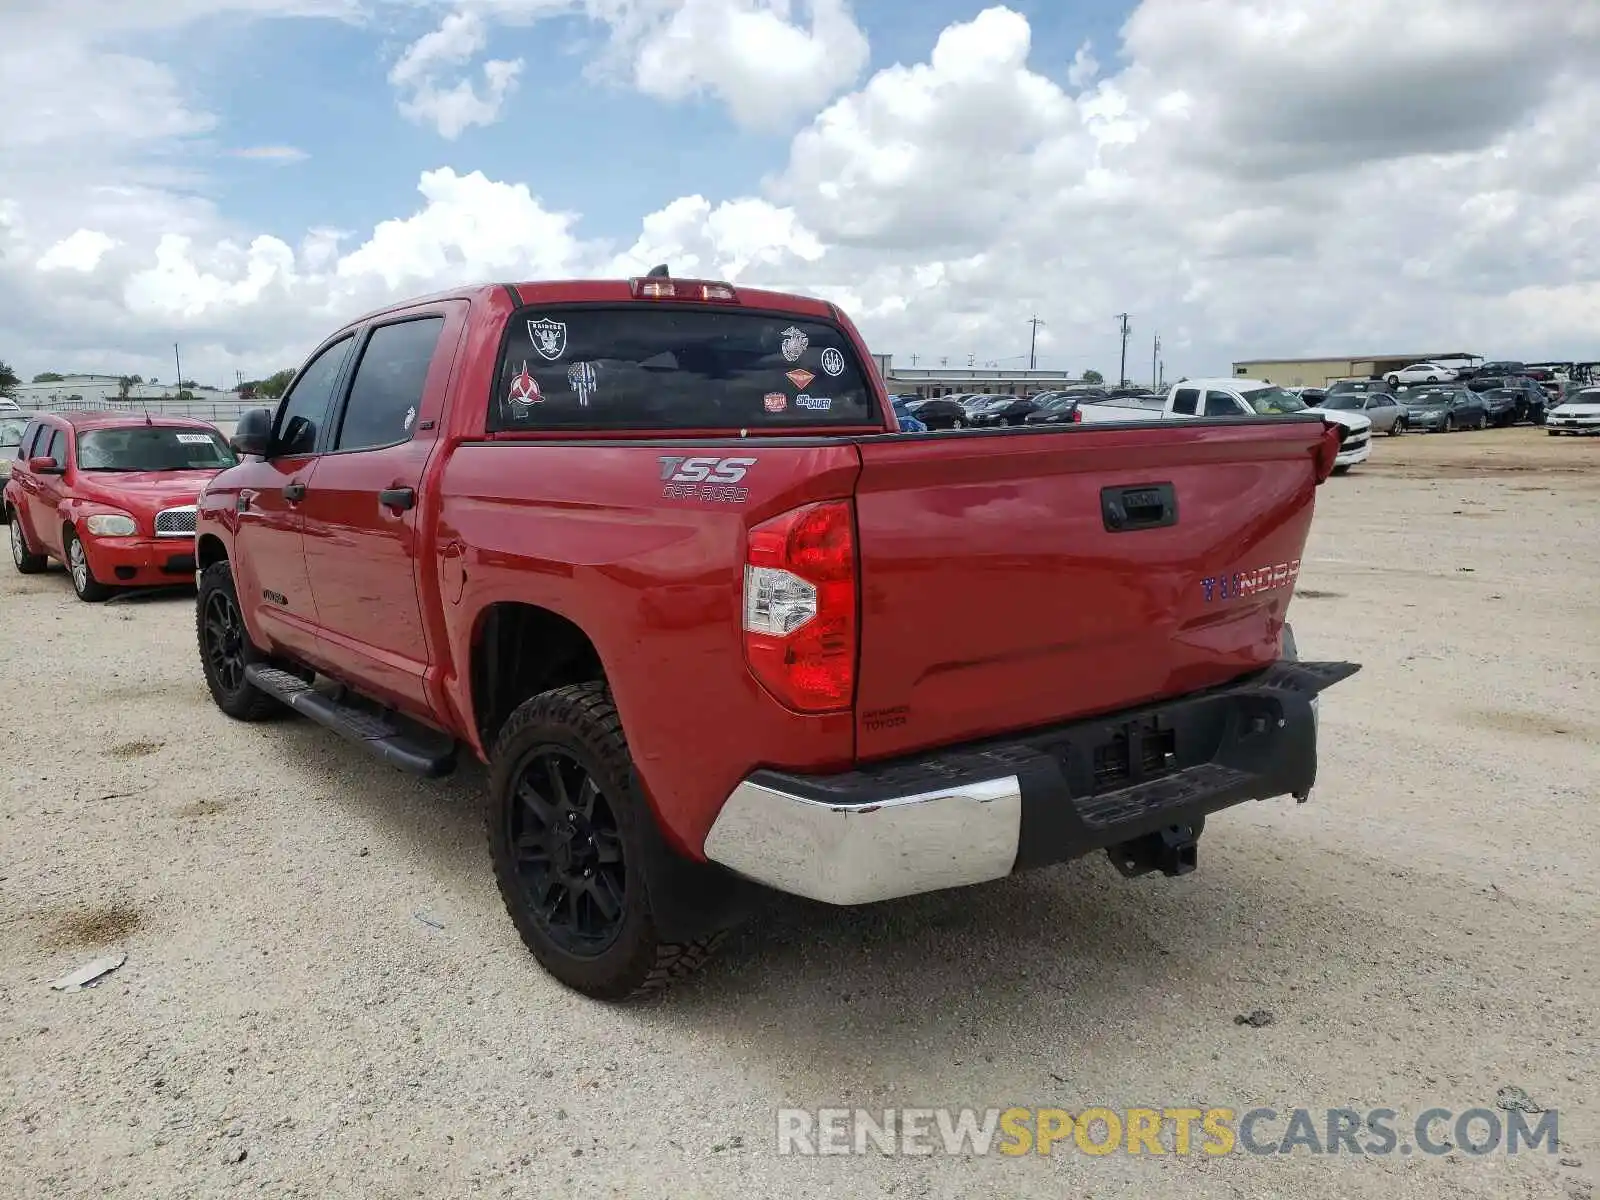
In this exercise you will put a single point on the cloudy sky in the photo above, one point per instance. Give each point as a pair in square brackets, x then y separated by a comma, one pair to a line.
[1249, 177]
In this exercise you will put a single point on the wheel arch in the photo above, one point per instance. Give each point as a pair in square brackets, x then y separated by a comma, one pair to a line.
[519, 650]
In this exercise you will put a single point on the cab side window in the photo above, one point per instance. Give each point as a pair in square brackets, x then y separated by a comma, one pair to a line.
[1186, 400]
[1220, 404]
[387, 391]
[305, 408]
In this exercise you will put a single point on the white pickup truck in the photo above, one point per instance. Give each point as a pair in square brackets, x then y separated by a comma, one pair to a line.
[1237, 398]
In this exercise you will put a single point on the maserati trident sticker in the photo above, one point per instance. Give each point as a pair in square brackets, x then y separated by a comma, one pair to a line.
[794, 343]
[549, 337]
[833, 362]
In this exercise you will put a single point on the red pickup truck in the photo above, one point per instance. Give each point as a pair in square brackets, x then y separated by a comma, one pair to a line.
[655, 551]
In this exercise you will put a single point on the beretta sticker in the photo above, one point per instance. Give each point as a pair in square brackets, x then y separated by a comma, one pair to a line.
[794, 343]
[800, 377]
[833, 362]
[775, 402]
[813, 403]
[582, 378]
[549, 337]
[524, 390]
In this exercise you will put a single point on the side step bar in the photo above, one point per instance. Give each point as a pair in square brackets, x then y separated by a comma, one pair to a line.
[371, 732]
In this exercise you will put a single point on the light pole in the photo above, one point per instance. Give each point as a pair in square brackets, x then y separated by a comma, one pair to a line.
[1122, 371]
[1155, 355]
[1033, 342]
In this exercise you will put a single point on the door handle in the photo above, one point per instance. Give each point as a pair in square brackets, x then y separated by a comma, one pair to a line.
[1141, 506]
[294, 491]
[398, 497]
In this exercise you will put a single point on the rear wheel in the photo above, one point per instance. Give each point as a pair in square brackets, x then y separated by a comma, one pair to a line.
[89, 588]
[567, 839]
[1393, 381]
[27, 562]
[1449, 423]
[958, 423]
[1398, 427]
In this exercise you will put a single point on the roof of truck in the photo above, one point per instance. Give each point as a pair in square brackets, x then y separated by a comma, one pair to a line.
[603, 291]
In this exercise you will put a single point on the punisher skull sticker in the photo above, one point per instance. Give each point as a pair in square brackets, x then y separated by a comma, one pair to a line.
[581, 378]
[794, 343]
[549, 337]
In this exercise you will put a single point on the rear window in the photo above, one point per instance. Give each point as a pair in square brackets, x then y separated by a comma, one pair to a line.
[648, 366]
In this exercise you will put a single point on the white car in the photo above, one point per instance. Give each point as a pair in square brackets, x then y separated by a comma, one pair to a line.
[8, 405]
[1580, 414]
[1422, 372]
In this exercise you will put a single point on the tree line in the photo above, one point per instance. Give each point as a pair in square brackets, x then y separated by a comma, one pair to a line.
[271, 388]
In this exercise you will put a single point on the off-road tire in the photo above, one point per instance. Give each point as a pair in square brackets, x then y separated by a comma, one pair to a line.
[582, 721]
[243, 702]
[24, 559]
[88, 589]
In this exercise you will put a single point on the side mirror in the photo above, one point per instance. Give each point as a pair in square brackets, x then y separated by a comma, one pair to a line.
[45, 466]
[253, 433]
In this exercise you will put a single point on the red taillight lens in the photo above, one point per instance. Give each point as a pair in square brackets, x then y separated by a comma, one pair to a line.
[659, 288]
[1077, 415]
[800, 607]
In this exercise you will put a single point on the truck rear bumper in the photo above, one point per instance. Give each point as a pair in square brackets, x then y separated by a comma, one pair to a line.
[973, 813]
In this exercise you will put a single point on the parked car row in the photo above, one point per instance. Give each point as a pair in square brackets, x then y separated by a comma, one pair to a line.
[1475, 403]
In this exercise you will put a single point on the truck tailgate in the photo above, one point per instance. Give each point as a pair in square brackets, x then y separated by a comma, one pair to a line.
[1017, 579]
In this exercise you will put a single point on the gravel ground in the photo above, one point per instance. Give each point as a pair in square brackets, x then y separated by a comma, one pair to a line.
[323, 997]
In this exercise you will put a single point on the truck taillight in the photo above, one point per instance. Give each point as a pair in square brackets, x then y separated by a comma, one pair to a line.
[651, 287]
[1077, 415]
[800, 607]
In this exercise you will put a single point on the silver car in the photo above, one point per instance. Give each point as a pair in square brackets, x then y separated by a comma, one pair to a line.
[11, 427]
[1381, 408]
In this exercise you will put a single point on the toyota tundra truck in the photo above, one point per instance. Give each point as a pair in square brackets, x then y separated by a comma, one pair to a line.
[655, 552]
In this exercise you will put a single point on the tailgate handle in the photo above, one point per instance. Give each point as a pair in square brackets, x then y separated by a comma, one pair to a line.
[1140, 506]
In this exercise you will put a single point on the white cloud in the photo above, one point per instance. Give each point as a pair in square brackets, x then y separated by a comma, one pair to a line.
[768, 68]
[451, 109]
[80, 252]
[1292, 177]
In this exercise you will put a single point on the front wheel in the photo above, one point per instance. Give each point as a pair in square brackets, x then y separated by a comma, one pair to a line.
[89, 589]
[1398, 427]
[226, 649]
[958, 423]
[567, 838]
[1449, 424]
[25, 560]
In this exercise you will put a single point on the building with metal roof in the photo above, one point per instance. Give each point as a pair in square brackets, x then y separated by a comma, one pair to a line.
[1317, 372]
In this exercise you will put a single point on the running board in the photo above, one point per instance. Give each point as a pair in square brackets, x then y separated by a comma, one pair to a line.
[373, 733]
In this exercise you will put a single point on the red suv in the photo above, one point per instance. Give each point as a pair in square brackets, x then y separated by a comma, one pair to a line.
[111, 495]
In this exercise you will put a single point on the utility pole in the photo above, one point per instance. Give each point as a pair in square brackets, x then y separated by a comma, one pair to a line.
[1161, 374]
[1155, 357]
[914, 358]
[179, 363]
[1122, 373]
[1033, 342]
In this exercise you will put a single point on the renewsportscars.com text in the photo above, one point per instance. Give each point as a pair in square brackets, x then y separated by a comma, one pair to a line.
[1175, 1130]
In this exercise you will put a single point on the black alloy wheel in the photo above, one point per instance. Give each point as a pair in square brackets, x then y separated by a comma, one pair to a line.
[222, 633]
[568, 851]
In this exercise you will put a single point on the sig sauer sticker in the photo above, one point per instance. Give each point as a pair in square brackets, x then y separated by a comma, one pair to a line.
[524, 390]
[549, 337]
[813, 403]
[800, 377]
[833, 362]
[775, 402]
[709, 480]
[794, 343]
[582, 378]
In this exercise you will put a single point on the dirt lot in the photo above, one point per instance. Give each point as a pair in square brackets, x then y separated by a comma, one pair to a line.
[320, 976]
